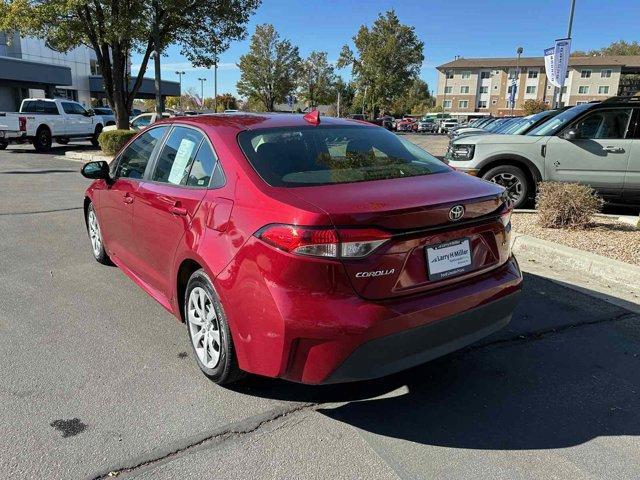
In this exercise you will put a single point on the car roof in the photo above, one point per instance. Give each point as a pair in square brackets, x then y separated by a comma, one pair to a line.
[253, 121]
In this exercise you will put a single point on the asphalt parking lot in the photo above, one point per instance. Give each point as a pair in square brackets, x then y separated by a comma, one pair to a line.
[97, 379]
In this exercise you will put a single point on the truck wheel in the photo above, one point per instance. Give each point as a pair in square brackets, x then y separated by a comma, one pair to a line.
[62, 141]
[42, 141]
[514, 180]
[3, 145]
[96, 134]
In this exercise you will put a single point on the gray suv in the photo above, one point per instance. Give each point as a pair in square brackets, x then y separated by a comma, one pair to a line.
[594, 143]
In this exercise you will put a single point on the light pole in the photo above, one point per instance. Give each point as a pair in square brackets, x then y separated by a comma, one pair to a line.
[180, 73]
[202, 80]
[569, 28]
[215, 83]
[516, 80]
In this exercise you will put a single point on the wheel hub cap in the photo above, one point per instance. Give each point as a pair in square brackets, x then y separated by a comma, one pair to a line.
[94, 233]
[204, 327]
[511, 183]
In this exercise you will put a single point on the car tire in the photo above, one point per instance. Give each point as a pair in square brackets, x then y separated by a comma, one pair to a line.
[95, 236]
[62, 141]
[96, 134]
[514, 180]
[3, 145]
[42, 141]
[209, 332]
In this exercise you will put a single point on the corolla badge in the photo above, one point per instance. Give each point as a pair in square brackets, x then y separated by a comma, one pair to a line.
[377, 273]
[456, 212]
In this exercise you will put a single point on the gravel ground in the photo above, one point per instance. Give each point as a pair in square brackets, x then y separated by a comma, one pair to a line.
[606, 236]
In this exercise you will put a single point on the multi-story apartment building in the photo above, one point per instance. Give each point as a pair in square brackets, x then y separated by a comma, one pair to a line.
[482, 86]
[29, 69]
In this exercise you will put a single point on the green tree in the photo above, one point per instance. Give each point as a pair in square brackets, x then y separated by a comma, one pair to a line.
[268, 72]
[416, 100]
[621, 47]
[317, 79]
[532, 106]
[116, 28]
[388, 59]
[226, 101]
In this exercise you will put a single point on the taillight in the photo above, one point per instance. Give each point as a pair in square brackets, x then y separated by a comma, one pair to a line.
[323, 242]
[22, 121]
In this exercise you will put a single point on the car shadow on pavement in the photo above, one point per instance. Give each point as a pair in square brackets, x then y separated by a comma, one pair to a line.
[57, 150]
[551, 389]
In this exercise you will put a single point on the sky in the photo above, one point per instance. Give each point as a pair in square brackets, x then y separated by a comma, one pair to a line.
[493, 28]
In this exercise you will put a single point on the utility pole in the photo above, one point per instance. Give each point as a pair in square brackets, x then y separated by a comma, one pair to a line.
[517, 80]
[156, 59]
[215, 81]
[202, 80]
[180, 73]
[569, 28]
[338, 108]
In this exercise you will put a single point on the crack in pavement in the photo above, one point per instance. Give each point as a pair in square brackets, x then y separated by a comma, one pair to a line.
[252, 424]
[5, 214]
[237, 429]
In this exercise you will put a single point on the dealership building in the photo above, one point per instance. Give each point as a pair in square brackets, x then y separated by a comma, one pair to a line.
[29, 69]
[482, 86]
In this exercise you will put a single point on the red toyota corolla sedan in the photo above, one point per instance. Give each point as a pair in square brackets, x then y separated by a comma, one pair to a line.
[313, 249]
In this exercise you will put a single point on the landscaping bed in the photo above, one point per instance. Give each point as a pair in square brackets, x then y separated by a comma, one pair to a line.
[604, 236]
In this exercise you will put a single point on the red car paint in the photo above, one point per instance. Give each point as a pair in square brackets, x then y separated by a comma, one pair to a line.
[293, 316]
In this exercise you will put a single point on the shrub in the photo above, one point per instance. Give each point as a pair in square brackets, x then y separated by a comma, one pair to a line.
[566, 205]
[112, 141]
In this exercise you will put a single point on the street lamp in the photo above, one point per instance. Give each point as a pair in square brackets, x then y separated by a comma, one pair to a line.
[202, 80]
[514, 86]
[180, 73]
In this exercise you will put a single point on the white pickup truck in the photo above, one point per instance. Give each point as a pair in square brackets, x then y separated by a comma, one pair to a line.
[43, 120]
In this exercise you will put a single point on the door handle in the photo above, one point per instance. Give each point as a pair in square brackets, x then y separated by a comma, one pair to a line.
[178, 211]
[126, 198]
[613, 149]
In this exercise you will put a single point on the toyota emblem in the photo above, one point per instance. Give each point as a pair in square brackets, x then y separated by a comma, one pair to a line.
[456, 212]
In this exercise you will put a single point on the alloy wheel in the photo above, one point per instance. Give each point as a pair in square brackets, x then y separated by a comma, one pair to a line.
[204, 327]
[94, 233]
[512, 183]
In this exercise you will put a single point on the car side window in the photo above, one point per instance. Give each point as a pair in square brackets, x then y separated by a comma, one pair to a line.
[205, 168]
[50, 108]
[134, 159]
[604, 124]
[68, 108]
[178, 153]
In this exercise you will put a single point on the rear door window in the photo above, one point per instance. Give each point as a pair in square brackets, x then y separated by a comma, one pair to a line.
[604, 124]
[291, 157]
[177, 156]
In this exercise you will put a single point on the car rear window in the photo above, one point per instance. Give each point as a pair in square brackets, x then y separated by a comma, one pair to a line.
[294, 157]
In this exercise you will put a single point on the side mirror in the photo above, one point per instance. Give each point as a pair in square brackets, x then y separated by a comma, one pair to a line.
[96, 170]
[570, 135]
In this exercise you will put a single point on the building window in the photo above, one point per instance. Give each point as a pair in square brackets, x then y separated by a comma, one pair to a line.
[564, 90]
[510, 88]
[484, 89]
[495, 87]
[94, 67]
[585, 73]
[583, 89]
[466, 74]
[482, 104]
[531, 89]
[448, 89]
[581, 103]
[532, 74]
[449, 74]
[484, 75]
[603, 90]
[605, 73]
[446, 104]
[463, 104]
[464, 89]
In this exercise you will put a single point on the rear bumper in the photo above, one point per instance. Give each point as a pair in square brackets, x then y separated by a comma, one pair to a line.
[406, 349]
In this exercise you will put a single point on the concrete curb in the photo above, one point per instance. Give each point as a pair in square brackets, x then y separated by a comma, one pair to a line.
[553, 254]
[87, 156]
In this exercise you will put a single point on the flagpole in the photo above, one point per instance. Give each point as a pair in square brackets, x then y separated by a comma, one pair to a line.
[564, 78]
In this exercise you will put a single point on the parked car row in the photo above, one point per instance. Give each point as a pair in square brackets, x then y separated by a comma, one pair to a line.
[594, 143]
